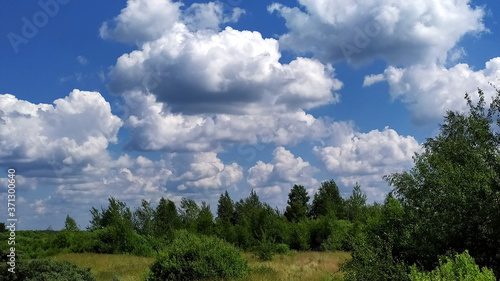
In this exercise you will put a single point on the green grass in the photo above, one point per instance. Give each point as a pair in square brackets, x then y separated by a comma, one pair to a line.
[106, 267]
[306, 266]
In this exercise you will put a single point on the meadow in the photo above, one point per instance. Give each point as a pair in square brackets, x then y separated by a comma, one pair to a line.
[307, 266]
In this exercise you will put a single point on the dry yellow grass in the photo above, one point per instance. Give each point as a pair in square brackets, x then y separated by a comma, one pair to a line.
[107, 267]
[303, 266]
[306, 266]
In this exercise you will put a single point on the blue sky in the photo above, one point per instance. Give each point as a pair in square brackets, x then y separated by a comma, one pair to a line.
[144, 99]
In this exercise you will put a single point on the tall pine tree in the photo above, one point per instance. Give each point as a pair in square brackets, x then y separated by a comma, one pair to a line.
[298, 199]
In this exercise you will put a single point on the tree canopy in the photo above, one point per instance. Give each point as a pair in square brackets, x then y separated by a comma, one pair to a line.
[297, 203]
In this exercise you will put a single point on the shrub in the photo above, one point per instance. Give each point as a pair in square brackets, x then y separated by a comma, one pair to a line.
[299, 236]
[339, 237]
[118, 240]
[281, 249]
[47, 270]
[193, 257]
[462, 268]
[84, 242]
[372, 259]
[265, 251]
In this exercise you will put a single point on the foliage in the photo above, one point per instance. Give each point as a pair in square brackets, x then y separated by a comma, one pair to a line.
[116, 214]
[327, 201]
[143, 218]
[372, 259]
[225, 208]
[281, 249]
[192, 257]
[166, 218]
[462, 268]
[226, 231]
[339, 238]
[205, 220]
[116, 240]
[30, 244]
[297, 204]
[70, 224]
[451, 197]
[375, 249]
[448, 202]
[265, 251]
[355, 205]
[299, 236]
[46, 270]
[188, 213]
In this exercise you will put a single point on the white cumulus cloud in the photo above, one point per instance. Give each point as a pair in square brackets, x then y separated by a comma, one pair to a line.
[154, 127]
[367, 157]
[192, 66]
[430, 90]
[274, 180]
[400, 32]
[76, 130]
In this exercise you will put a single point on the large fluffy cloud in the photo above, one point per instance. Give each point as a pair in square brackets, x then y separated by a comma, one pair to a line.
[156, 128]
[430, 90]
[199, 69]
[206, 171]
[64, 150]
[142, 21]
[274, 180]
[367, 157]
[73, 132]
[400, 32]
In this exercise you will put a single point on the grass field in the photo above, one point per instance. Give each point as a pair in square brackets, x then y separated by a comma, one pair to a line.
[303, 266]
[111, 267]
[307, 266]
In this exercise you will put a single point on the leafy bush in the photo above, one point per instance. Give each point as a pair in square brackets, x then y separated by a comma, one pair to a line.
[299, 236]
[372, 259]
[31, 244]
[339, 237]
[320, 229]
[46, 270]
[281, 249]
[265, 251]
[118, 240]
[193, 257]
[462, 268]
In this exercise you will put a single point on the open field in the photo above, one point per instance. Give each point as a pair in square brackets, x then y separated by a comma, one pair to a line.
[308, 266]
[106, 267]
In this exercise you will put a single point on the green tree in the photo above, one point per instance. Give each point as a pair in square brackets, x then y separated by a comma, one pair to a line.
[166, 217]
[452, 194]
[205, 220]
[3, 228]
[247, 208]
[143, 218]
[327, 201]
[188, 213]
[70, 224]
[225, 218]
[225, 208]
[377, 248]
[355, 205]
[117, 213]
[297, 204]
